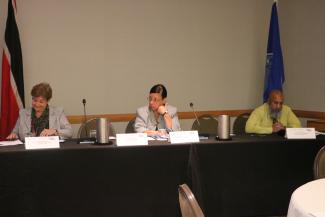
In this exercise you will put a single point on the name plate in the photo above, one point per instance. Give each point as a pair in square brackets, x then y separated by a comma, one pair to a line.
[300, 133]
[184, 136]
[131, 139]
[42, 142]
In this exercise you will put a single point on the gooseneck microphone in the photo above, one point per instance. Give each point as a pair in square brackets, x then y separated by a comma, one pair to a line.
[85, 116]
[192, 107]
[274, 120]
[274, 117]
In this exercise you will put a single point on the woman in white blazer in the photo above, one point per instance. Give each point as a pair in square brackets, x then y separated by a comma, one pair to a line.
[41, 119]
[157, 117]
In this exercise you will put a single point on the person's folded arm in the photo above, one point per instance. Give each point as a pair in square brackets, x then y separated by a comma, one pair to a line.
[176, 125]
[168, 121]
[21, 129]
[65, 130]
[140, 124]
[16, 128]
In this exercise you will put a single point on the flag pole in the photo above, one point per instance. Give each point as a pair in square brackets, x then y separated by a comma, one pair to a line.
[274, 67]
[12, 79]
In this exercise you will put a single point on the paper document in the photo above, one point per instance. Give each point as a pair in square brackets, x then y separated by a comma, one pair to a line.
[159, 137]
[318, 214]
[11, 142]
[131, 139]
[319, 133]
[184, 136]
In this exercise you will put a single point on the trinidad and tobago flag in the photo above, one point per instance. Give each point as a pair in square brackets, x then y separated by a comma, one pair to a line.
[12, 82]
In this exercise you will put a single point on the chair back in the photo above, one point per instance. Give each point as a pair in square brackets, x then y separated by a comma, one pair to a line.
[207, 125]
[319, 164]
[189, 205]
[240, 123]
[90, 126]
[130, 127]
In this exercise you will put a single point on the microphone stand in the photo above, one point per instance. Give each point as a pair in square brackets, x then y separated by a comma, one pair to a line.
[196, 118]
[85, 116]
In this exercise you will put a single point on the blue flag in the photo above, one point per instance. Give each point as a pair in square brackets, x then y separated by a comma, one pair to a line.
[274, 70]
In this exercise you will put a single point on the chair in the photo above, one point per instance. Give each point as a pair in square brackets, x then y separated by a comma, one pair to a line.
[240, 123]
[319, 164]
[130, 127]
[86, 129]
[189, 206]
[207, 125]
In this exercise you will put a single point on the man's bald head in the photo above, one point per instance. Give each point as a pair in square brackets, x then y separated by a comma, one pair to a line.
[276, 100]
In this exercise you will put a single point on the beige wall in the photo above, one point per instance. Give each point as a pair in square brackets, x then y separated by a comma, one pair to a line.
[303, 40]
[111, 52]
[211, 53]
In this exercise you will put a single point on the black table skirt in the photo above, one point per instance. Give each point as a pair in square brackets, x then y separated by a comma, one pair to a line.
[247, 176]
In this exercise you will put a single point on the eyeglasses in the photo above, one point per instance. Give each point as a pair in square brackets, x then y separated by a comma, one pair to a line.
[154, 99]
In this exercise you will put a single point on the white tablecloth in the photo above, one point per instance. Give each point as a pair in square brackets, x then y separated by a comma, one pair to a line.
[308, 200]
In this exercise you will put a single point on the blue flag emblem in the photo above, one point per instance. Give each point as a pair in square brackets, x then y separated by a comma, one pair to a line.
[274, 69]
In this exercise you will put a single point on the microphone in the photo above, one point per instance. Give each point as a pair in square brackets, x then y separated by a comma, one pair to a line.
[274, 120]
[192, 107]
[85, 116]
[274, 117]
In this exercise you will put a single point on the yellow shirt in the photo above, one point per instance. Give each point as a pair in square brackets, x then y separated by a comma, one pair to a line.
[261, 122]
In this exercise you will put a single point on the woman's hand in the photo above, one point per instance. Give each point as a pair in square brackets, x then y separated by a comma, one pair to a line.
[12, 136]
[162, 109]
[151, 132]
[49, 132]
[160, 132]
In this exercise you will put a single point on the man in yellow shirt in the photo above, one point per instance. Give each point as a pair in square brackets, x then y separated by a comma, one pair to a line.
[272, 117]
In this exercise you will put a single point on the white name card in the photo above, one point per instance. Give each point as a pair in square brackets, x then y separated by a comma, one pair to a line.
[42, 142]
[131, 139]
[300, 133]
[184, 136]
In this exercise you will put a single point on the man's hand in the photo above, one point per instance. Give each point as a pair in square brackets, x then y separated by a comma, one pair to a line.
[276, 127]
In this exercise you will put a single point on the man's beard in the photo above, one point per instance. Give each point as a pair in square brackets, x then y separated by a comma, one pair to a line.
[275, 115]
